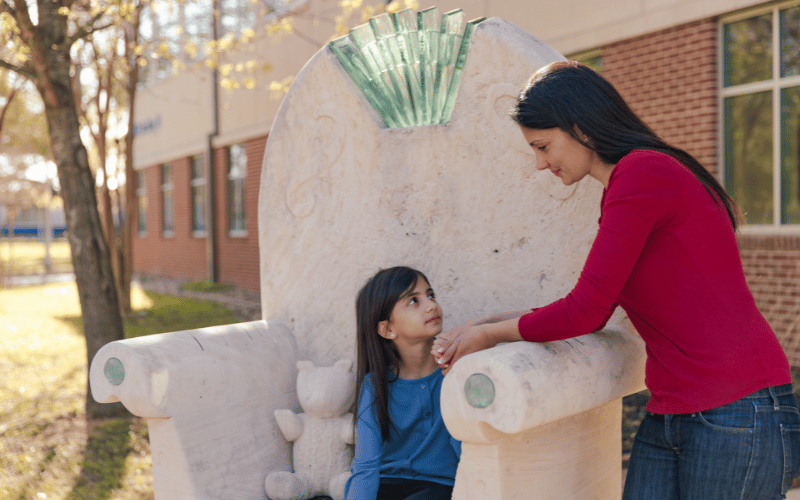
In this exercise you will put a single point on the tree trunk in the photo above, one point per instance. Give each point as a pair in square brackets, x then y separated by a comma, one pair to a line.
[102, 322]
[131, 201]
[109, 229]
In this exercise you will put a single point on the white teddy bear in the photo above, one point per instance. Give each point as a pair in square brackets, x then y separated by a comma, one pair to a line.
[321, 435]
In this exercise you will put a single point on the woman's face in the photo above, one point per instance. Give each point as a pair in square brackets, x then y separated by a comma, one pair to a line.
[560, 153]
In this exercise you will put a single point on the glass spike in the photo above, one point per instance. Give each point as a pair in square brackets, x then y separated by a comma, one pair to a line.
[407, 65]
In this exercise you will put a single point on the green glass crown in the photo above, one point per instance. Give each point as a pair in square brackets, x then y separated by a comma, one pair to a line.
[407, 66]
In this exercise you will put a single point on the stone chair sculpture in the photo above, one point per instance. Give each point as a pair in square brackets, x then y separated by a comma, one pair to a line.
[359, 174]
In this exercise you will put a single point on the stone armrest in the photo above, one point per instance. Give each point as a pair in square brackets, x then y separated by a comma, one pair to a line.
[543, 417]
[174, 373]
[208, 396]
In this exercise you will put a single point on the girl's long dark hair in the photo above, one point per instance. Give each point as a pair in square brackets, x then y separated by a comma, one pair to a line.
[377, 355]
[567, 94]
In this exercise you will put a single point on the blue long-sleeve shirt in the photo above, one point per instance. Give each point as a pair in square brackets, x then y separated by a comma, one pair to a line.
[419, 446]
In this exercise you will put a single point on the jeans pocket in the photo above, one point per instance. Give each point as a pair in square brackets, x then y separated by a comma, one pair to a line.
[790, 436]
[738, 417]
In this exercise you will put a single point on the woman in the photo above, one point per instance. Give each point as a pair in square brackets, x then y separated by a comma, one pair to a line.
[722, 422]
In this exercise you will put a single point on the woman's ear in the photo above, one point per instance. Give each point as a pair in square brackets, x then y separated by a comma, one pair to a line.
[584, 138]
[384, 330]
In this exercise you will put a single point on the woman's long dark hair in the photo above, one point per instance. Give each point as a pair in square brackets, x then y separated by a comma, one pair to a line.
[377, 355]
[568, 94]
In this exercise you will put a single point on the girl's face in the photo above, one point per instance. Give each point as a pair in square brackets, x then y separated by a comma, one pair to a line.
[416, 316]
[560, 153]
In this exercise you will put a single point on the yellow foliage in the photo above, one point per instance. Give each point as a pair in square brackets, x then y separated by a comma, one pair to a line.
[126, 9]
[250, 83]
[163, 50]
[350, 5]
[341, 26]
[229, 84]
[287, 26]
[63, 11]
[239, 67]
[191, 49]
[367, 13]
[226, 42]
[142, 61]
[7, 23]
[139, 50]
[279, 89]
[250, 65]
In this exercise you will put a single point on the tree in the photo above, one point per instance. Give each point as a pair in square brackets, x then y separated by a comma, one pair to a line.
[36, 44]
[101, 100]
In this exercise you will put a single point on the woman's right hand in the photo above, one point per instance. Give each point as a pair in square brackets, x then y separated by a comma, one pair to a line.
[474, 336]
[464, 339]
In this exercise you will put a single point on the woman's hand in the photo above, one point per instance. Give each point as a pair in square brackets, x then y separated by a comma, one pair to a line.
[458, 342]
[474, 336]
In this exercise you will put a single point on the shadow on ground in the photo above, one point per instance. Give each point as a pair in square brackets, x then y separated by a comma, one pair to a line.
[103, 467]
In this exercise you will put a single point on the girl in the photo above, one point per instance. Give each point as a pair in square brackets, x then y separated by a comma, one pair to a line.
[403, 450]
[722, 421]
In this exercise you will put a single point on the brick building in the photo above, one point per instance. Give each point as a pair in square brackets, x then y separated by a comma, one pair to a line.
[719, 79]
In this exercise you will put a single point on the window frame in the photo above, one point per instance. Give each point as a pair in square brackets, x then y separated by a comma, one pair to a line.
[590, 55]
[167, 187]
[141, 194]
[198, 183]
[230, 183]
[774, 85]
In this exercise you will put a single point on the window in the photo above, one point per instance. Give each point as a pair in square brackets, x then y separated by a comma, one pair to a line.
[591, 58]
[237, 173]
[167, 215]
[141, 195]
[760, 107]
[198, 188]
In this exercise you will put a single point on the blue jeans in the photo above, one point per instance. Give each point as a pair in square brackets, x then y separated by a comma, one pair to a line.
[746, 450]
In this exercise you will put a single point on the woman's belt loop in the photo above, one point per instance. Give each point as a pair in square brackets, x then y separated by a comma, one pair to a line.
[775, 404]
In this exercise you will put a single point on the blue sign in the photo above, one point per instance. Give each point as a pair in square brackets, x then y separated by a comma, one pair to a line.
[149, 125]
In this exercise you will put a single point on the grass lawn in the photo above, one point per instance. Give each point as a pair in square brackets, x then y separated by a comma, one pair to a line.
[48, 448]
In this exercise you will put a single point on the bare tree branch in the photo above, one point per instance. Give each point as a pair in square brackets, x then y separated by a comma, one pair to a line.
[89, 28]
[7, 105]
[23, 71]
[307, 38]
[5, 7]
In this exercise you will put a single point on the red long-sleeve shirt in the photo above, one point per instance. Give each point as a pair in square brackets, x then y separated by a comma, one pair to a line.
[666, 253]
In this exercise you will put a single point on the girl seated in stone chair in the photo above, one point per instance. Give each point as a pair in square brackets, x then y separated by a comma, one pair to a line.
[402, 449]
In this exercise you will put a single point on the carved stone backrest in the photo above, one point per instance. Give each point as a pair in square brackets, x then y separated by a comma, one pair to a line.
[343, 196]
